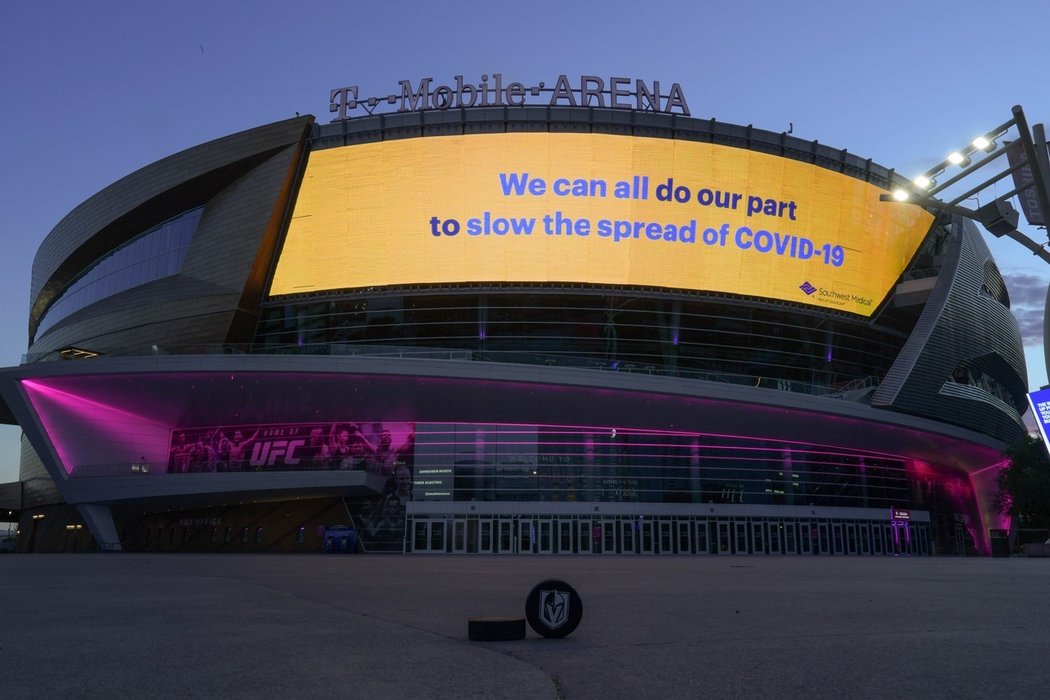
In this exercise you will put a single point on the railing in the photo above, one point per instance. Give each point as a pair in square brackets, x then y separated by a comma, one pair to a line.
[848, 389]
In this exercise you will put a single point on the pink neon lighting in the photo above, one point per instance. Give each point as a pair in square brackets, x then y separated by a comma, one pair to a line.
[189, 378]
[108, 403]
[70, 418]
[998, 465]
[620, 431]
[36, 394]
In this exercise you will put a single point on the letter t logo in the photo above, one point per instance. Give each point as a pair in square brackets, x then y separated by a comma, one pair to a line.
[341, 101]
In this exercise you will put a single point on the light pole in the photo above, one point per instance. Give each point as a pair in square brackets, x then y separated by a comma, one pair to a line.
[1027, 160]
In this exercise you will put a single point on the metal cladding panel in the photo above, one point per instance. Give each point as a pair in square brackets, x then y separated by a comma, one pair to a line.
[960, 324]
[148, 197]
[197, 306]
[257, 484]
[110, 410]
[38, 488]
[178, 309]
[10, 497]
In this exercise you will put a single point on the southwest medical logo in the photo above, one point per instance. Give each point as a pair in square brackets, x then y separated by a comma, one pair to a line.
[807, 288]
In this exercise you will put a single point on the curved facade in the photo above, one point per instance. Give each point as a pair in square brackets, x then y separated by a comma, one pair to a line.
[519, 329]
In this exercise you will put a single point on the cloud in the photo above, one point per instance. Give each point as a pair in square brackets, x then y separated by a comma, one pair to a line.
[1027, 300]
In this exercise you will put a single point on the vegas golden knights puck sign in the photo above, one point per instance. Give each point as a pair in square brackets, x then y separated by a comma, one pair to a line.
[553, 609]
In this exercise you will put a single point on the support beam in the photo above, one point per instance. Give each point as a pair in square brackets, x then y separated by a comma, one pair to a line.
[99, 519]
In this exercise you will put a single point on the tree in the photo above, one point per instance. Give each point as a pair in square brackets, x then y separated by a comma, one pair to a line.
[1024, 485]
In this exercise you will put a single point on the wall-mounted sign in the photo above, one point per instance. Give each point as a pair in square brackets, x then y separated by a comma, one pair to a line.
[1040, 403]
[1028, 196]
[494, 91]
[381, 448]
[597, 209]
[900, 515]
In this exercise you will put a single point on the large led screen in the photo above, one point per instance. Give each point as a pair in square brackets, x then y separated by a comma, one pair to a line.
[1040, 403]
[593, 208]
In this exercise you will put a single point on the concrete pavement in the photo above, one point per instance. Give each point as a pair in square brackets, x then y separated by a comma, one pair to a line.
[316, 626]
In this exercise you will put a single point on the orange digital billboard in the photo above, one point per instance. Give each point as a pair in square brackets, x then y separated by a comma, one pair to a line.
[593, 208]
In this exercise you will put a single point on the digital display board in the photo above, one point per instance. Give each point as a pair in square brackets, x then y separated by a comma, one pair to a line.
[593, 208]
[1040, 403]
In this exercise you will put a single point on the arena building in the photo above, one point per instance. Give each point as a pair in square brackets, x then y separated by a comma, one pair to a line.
[513, 329]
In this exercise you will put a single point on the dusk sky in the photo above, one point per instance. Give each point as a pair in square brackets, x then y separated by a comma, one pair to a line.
[95, 90]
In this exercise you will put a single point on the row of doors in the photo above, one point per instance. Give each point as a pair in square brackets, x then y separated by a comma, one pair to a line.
[625, 535]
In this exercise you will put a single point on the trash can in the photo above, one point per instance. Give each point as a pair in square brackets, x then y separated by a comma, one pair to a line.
[340, 539]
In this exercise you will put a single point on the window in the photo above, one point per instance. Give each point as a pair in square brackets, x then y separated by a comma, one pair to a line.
[152, 255]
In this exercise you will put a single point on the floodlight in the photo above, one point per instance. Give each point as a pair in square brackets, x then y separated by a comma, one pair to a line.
[924, 182]
[983, 143]
[956, 158]
[900, 195]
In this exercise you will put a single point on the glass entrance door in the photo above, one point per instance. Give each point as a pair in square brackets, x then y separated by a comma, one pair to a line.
[864, 533]
[702, 543]
[526, 535]
[487, 539]
[609, 537]
[790, 538]
[902, 541]
[666, 541]
[825, 538]
[428, 535]
[420, 535]
[646, 540]
[740, 528]
[545, 544]
[565, 543]
[922, 536]
[459, 536]
[775, 533]
[725, 544]
[472, 535]
[685, 545]
[627, 536]
[807, 538]
[757, 541]
[437, 536]
[505, 540]
[584, 536]
[851, 539]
